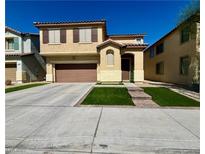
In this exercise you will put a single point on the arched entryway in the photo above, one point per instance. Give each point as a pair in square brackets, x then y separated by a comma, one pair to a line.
[127, 67]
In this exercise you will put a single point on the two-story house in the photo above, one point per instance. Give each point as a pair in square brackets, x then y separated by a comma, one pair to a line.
[172, 58]
[84, 52]
[22, 60]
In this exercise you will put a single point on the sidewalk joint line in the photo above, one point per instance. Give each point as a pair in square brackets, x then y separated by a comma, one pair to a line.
[96, 129]
[181, 124]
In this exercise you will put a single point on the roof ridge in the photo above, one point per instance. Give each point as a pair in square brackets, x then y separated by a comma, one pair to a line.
[64, 22]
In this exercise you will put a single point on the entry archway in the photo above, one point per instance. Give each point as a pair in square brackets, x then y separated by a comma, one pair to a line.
[127, 67]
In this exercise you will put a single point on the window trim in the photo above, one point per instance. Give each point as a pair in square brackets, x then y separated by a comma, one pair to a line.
[153, 50]
[186, 56]
[156, 68]
[110, 51]
[182, 42]
[162, 43]
[54, 43]
[84, 42]
[8, 49]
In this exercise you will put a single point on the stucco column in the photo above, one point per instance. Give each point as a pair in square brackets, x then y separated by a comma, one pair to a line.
[138, 66]
[49, 72]
[98, 72]
[20, 74]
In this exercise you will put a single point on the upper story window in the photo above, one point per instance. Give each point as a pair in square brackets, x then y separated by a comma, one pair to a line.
[110, 57]
[160, 68]
[160, 48]
[185, 34]
[85, 34]
[151, 52]
[12, 43]
[139, 40]
[54, 36]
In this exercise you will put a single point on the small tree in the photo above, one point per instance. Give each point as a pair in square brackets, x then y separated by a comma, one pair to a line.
[190, 16]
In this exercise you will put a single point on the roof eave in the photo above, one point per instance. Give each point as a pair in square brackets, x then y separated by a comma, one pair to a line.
[42, 25]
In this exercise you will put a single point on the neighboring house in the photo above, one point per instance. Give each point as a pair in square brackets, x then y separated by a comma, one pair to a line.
[22, 60]
[170, 58]
[84, 52]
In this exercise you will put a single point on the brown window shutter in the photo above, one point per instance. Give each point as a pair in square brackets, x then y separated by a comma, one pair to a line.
[94, 34]
[63, 35]
[75, 35]
[45, 36]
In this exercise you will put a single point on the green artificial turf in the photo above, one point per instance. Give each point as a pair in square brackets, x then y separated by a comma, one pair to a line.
[11, 89]
[108, 96]
[166, 97]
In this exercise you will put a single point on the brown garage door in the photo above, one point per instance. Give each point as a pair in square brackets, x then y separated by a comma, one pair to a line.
[76, 73]
[10, 72]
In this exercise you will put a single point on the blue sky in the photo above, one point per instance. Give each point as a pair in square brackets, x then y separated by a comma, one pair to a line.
[155, 18]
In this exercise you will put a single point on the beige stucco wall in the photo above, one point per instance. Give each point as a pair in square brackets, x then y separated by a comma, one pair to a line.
[110, 72]
[69, 46]
[51, 61]
[70, 52]
[173, 50]
[105, 73]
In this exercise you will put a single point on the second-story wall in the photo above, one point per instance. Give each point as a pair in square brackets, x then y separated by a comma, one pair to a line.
[173, 52]
[17, 42]
[31, 44]
[69, 46]
[21, 42]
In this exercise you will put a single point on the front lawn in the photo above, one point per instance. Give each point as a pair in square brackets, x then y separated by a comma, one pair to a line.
[21, 87]
[166, 97]
[108, 96]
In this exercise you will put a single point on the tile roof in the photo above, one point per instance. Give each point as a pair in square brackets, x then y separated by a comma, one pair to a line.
[12, 30]
[109, 41]
[195, 18]
[126, 35]
[39, 24]
[125, 45]
[129, 45]
[18, 32]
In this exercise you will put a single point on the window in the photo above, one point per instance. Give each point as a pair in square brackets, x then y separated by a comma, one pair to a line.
[151, 53]
[9, 43]
[160, 48]
[110, 57]
[185, 35]
[54, 36]
[184, 65]
[85, 34]
[139, 41]
[160, 68]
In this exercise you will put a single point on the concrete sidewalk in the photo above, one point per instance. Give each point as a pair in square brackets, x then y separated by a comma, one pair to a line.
[60, 130]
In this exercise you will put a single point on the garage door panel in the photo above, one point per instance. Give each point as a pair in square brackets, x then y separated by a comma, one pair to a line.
[10, 72]
[76, 73]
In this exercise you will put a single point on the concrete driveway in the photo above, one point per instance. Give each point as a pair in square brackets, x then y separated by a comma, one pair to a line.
[40, 125]
[56, 94]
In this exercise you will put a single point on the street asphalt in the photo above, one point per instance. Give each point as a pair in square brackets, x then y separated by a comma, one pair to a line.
[41, 120]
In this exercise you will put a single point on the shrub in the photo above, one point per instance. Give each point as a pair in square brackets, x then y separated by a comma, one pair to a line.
[8, 82]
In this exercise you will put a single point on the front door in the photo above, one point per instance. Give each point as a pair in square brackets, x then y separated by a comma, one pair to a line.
[125, 69]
